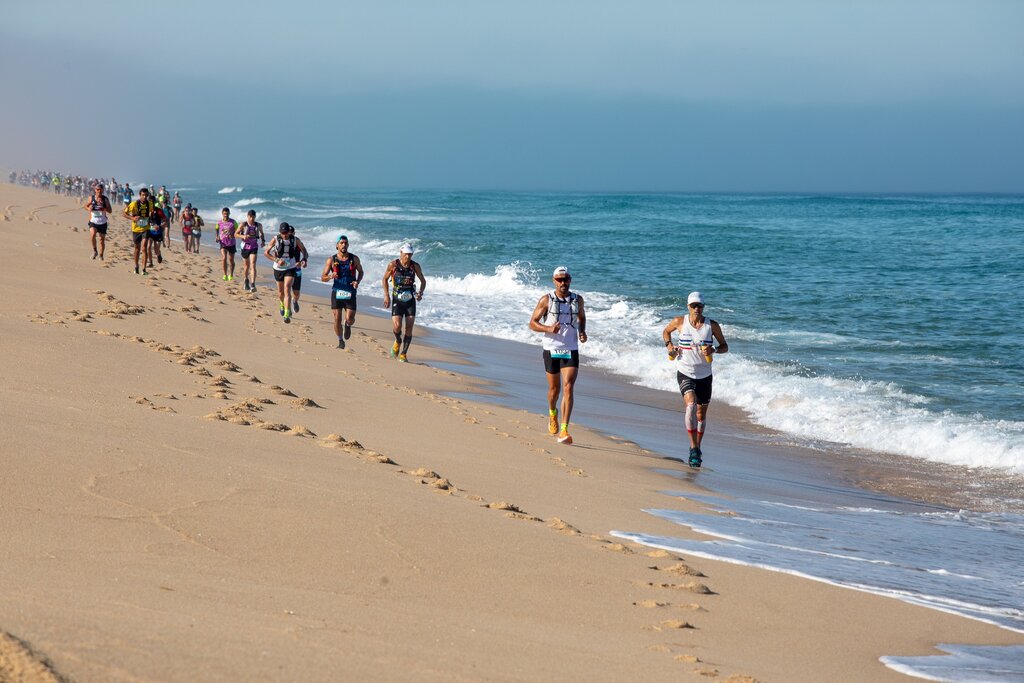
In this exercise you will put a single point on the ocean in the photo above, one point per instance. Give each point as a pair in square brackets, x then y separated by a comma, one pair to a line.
[881, 324]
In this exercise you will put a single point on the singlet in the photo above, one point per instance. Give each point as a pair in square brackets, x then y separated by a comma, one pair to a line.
[99, 216]
[139, 211]
[187, 221]
[288, 250]
[156, 221]
[690, 359]
[252, 235]
[344, 272]
[403, 281]
[226, 232]
[177, 202]
[567, 312]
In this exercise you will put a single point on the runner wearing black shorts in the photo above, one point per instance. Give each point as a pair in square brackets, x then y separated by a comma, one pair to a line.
[401, 298]
[346, 272]
[560, 316]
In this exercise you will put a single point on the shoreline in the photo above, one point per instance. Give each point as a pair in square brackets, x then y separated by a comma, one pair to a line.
[194, 515]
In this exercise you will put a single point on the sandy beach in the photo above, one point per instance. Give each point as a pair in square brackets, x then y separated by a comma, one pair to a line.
[192, 490]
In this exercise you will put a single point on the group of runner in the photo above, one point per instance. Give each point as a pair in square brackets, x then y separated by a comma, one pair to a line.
[559, 315]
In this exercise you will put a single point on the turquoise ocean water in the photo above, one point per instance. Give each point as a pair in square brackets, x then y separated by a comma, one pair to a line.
[884, 322]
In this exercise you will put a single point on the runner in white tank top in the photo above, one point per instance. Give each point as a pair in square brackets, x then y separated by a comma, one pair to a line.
[560, 316]
[693, 354]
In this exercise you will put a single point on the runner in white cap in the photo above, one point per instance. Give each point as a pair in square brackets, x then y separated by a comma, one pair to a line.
[560, 316]
[693, 355]
[402, 272]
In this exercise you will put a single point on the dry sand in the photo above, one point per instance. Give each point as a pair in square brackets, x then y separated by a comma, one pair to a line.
[192, 490]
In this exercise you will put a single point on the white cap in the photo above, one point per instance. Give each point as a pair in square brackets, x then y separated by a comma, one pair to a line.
[406, 249]
[695, 298]
[561, 271]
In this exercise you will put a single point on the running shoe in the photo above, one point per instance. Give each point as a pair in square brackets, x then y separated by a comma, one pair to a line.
[563, 437]
[230, 278]
[224, 278]
[247, 284]
[695, 460]
[136, 270]
[348, 331]
[287, 315]
[295, 306]
[553, 424]
[94, 255]
[144, 272]
[282, 308]
[341, 343]
[402, 358]
[159, 258]
[394, 349]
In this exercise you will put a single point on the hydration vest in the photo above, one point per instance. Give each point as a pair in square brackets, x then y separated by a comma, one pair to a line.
[403, 279]
[344, 271]
[292, 249]
[553, 309]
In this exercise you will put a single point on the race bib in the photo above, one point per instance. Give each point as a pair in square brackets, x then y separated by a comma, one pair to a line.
[99, 217]
[342, 295]
[141, 222]
[567, 355]
[404, 296]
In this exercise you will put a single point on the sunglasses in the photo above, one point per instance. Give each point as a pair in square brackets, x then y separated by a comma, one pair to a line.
[563, 279]
[696, 305]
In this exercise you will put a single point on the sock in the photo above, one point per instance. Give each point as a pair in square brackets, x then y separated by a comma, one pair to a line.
[565, 426]
[552, 412]
[700, 426]
[398, 337]
[406, 342]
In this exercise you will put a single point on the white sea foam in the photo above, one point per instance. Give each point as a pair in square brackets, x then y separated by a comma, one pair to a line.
[249, 202]
[976, 663]
[229, 190]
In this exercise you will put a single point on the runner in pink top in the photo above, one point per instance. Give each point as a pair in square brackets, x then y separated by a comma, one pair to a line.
[226, 228]
[251, 234]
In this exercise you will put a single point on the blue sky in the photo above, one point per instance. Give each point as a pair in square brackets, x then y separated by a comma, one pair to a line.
[690, 96]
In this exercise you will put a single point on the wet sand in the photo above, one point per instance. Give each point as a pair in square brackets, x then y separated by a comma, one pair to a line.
[193, 490]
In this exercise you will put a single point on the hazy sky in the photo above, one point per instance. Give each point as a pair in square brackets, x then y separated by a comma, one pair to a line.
[900, 95]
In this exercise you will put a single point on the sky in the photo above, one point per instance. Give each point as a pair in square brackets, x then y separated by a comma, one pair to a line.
[726, 96]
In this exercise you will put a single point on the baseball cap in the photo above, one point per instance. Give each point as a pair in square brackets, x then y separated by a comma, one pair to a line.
[284, 227]
[406, 249]
[695, 298]
[340, 238]
[561, 271]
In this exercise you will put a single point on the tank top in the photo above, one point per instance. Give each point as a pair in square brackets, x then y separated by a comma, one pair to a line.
[403, 281]
[99, 216]
[252, 235]
[561, 310]
[344, 271]
[288, 250]
[226, 232]
[690, 360]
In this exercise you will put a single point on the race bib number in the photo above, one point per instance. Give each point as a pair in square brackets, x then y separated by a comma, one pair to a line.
[404, 296]
[99, 217]
[566, 355]
[141, 222]
[342, 295]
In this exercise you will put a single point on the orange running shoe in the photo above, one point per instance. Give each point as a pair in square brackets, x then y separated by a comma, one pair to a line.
[553, 424]
[563, 437]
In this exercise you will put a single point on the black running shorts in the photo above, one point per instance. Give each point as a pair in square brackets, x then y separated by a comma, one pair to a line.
[100, 228]
[401, 309]
[337, 303]
[553, 366]
[700, 387]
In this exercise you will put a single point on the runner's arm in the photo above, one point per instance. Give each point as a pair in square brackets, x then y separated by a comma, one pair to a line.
[423, 281]
[666, 336]
[716, 331]
[582, 323]
[384, 282]
[359, 271]
[538, 313]
[266, 252]
[326, 275]
[302, 250]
